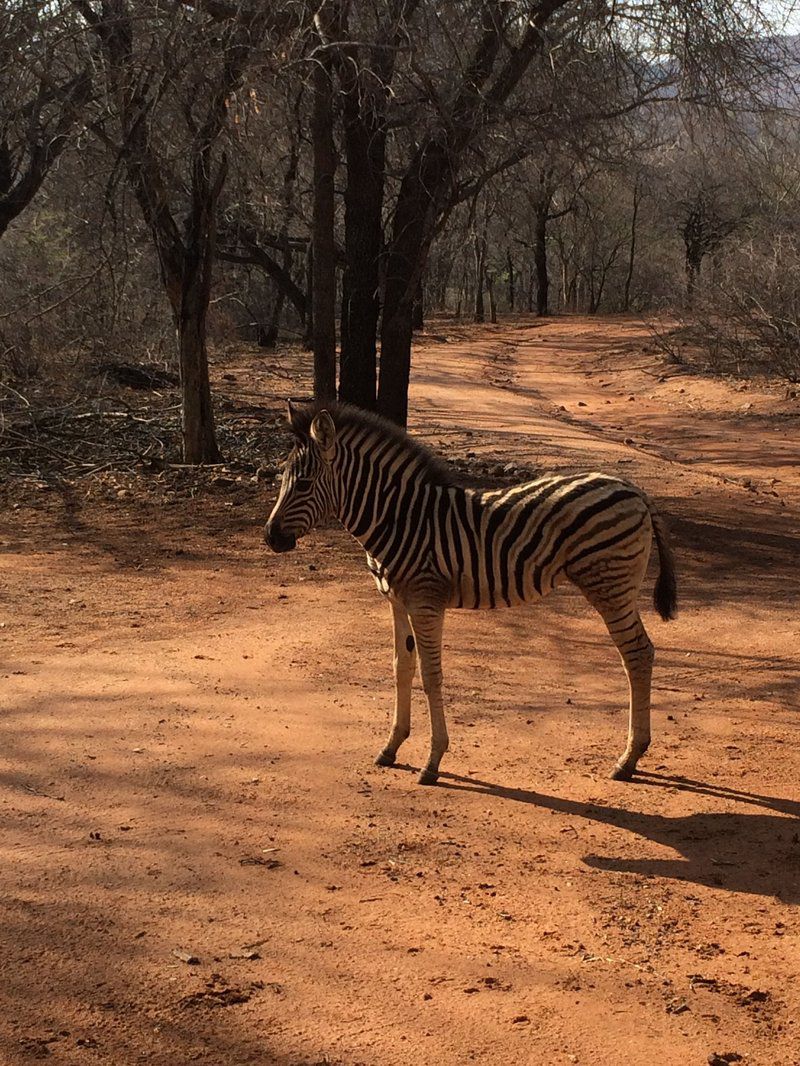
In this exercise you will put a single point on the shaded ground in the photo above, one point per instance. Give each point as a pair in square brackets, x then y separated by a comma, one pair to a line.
[188, 725]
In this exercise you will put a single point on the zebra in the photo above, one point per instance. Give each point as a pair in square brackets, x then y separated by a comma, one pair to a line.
[432, 544]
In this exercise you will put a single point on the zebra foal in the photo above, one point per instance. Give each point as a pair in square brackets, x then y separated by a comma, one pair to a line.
[432, 544]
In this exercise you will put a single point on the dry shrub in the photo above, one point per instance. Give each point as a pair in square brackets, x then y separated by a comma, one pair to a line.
[79, 288]
[747, 321]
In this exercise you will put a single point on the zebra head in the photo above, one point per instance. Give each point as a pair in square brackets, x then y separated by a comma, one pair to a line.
[306, 496]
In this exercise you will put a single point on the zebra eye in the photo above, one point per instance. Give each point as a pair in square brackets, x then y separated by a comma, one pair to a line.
[303, 484]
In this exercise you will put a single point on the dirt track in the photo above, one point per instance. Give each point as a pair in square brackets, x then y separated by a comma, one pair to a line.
[188, 726]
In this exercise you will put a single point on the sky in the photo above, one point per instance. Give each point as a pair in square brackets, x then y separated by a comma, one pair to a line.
[785, 13]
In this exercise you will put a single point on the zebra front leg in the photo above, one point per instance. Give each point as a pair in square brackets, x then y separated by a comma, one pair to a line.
[405, 665]
[428, 623]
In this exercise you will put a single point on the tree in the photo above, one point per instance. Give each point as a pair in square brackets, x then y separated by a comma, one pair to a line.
[171, 73]
[45, 85]
[509, 38]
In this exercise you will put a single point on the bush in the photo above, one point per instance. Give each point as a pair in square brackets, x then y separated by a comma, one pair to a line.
[747, 320]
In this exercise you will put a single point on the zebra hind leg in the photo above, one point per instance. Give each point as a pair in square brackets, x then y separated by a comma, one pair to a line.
[613, 591]
[636, 652]
[405, 664]
[618, 608]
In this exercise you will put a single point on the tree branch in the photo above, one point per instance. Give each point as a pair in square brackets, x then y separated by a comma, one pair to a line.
[256, 256]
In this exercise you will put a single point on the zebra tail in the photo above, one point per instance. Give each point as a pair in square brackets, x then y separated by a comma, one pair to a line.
[665, 594]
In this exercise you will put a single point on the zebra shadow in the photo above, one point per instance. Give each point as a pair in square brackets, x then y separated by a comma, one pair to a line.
[755, 852]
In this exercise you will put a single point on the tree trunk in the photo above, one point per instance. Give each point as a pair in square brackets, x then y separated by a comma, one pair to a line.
[364, 80]
[418, 316]
[626, 301]
[694, 262]
[479, 251]
[465, 289]
[197, 414]
[492, 302]
[365, 146]
[461, 291]
[438, 298]
[511, 280]
[308, 318]
[601, 285]
[590, 281]
[396, 365]
[199, 436]
[344, 323]
[323, 308]
[540, 258]
[571, 290]
[269, 337]
[411, 236]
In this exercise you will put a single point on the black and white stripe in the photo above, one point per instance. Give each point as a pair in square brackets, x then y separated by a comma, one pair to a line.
[432, 544]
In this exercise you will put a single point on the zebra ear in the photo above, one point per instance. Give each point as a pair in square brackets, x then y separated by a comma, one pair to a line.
[291, 413]
[323, 433]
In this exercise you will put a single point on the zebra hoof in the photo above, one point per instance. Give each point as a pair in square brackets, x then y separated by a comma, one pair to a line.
[386, 758]
[428, 777]
[622, 773]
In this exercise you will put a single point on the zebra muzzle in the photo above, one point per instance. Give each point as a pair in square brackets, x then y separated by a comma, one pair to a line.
[279, 540]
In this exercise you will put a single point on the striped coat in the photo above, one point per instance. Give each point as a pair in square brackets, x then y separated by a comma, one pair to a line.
[432, 544]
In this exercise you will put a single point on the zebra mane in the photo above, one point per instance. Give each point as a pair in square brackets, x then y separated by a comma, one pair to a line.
[345, 415]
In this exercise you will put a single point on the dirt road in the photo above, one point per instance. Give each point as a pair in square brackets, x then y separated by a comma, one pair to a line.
[187, 733]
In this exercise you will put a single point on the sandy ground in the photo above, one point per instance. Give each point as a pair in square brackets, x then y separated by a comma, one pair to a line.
[188, 726]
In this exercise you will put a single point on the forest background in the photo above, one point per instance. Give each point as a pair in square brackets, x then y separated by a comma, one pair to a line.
[331, 174]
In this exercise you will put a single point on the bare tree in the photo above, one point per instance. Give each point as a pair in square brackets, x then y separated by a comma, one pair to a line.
[164, 72]
[45, 84]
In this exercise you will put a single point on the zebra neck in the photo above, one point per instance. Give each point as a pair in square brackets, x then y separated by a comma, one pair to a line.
[386, 501]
